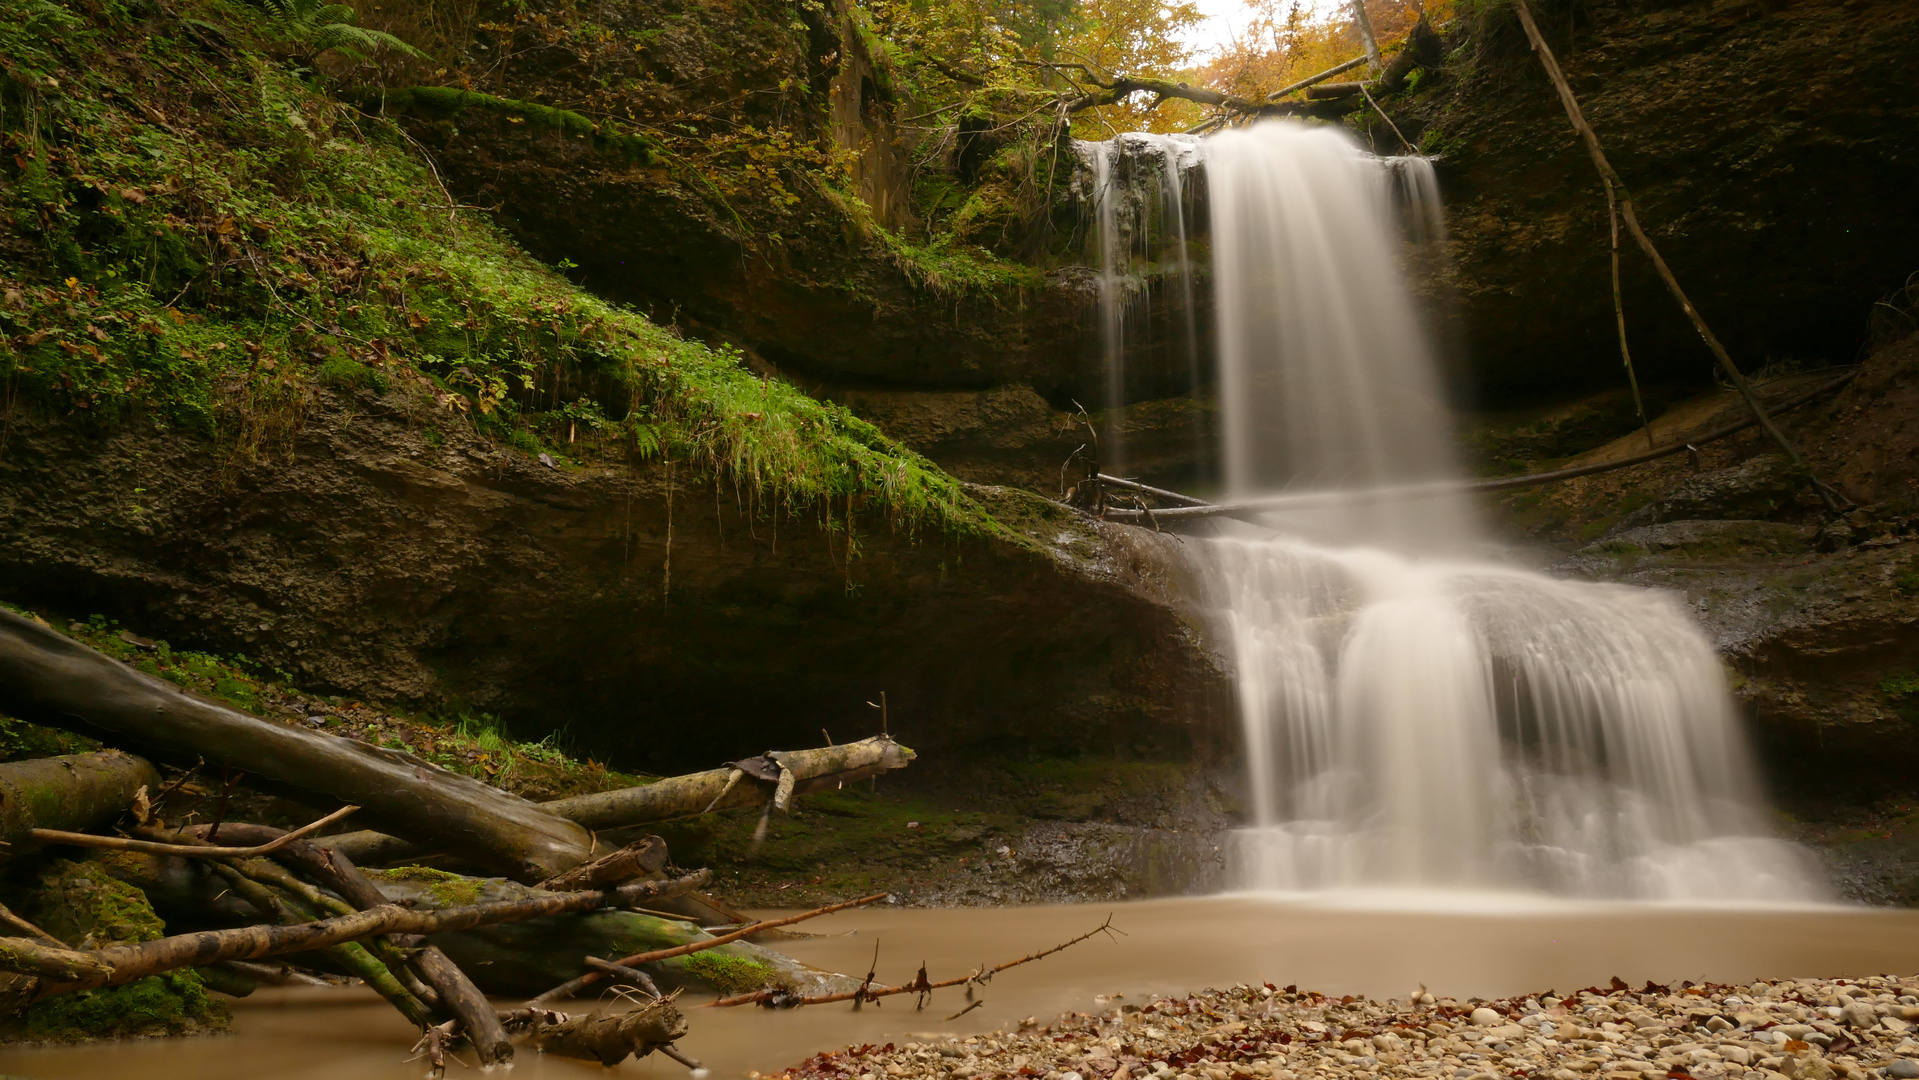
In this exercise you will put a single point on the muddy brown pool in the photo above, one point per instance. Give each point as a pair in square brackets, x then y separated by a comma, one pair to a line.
[1379, 946]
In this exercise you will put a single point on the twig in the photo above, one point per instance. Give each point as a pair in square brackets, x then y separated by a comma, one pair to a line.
[574, 986]
[150, 847]
[674, 1052]
[915, 987]
[1619, 312]
[1586, 132]
[1383, 116]
[977, 1003]
[632, 975]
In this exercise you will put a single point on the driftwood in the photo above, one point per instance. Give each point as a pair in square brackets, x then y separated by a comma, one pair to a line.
[1614, 183]
[454, 994]
[573, 986]
[517, 959]
[57, 971]
[201, 850]
[865, 992]
[74, 791]
[637, 859]
[1312, 500]
[48, 678]
[610, 1038]
[749, 782]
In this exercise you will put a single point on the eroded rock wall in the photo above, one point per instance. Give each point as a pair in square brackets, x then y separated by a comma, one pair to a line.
[388, 551]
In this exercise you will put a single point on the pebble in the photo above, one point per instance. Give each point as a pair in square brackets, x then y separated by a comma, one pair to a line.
[1783, 1030]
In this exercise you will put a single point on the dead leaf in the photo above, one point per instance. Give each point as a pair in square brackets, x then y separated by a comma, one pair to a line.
[416, 320]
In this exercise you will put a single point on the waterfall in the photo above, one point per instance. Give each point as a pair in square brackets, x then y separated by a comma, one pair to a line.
[1139, 238]
[1415, 716]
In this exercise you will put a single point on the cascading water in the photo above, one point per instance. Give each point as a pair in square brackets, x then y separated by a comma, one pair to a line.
[1413, 717]
[1139, 237]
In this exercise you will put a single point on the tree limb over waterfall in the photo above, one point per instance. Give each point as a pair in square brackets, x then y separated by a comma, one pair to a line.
[1249, 509]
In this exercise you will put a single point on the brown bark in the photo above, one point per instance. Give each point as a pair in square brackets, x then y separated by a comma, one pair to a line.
[819, 769]
[918, 986]
[610, 1038]
[637, 859]
[48, 678]
[199, 850]
[62, 970]
[573, 986]
[456, 995]
[74, 791]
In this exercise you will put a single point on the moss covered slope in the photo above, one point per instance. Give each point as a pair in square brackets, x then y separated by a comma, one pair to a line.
[197, 231]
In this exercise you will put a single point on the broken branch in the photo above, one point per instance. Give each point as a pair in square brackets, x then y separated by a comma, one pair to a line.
[574, 986]
[917, 986]
[197, 851]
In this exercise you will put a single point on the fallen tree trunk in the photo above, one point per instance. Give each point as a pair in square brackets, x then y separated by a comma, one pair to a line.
[71, 792]
[48, 678]
[748, 782]
[52, 971]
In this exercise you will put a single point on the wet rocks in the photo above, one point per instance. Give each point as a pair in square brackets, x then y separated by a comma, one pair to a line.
[1774, 1030]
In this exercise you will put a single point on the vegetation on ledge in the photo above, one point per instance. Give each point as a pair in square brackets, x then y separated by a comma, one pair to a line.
[198, 233]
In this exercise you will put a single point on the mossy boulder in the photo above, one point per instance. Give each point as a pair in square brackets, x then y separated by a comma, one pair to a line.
[79, 903]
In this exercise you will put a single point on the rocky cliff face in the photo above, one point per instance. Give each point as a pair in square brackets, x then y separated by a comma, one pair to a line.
[1770, 147]
[391, 553]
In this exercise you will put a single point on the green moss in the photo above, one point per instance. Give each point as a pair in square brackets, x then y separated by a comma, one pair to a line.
[448, 890]
[348, 374]
[446, 102]
[80, 903]
[210, 277]
[728, 974]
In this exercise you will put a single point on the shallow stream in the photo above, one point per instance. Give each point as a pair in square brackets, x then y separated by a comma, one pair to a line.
[1370, 944]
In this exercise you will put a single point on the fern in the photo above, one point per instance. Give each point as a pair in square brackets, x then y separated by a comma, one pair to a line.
[326, 27]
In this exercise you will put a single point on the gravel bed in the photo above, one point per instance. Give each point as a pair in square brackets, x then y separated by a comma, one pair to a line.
[1783, 1030]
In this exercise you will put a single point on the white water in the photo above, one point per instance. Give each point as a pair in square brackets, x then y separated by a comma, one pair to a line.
[1414, 718]
[1139, 236]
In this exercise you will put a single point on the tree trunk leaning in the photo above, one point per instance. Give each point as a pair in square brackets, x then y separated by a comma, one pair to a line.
[71, 793]
[48, 678]
[749, 782]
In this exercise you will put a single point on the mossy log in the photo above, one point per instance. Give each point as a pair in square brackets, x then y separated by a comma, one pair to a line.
[41, 972]
[777, 776]
[522, 958]
[533, 956]
[72, 792]
[48, 678]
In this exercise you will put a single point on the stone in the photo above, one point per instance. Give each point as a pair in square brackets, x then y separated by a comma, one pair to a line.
[1484, 1017]
[1858, 1016]
[1903, 1069]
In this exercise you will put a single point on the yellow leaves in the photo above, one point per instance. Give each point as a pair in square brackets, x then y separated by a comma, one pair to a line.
[416, 320]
